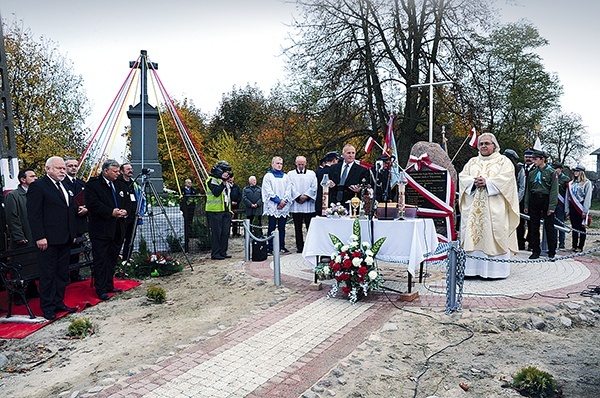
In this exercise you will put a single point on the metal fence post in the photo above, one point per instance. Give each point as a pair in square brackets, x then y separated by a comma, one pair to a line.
[276, 257]
[247, 239]
[451, 282]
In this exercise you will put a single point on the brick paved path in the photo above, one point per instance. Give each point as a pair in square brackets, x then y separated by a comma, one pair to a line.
[286, 349]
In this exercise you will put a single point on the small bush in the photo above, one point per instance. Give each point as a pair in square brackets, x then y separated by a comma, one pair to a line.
[80, 328]
[156, 294]
[535, 383]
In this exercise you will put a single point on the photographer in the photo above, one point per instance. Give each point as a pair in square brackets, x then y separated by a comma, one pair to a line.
[218, 209]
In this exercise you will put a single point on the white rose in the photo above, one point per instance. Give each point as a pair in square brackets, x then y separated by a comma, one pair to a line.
[372, 274]
[369, 260]
[353, 237]
[326, 270]
[334, 255]
[356, 261]
[344, 248]
[369, 253]
[338, 259]
[366, 245]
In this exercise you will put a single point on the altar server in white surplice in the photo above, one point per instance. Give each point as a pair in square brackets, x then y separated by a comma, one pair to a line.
[304, 191]
[489, 206]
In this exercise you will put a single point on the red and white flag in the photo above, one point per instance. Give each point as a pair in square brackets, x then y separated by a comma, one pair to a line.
[369, 145]
[473, 141]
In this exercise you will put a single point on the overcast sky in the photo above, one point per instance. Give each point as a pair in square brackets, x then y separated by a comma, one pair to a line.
[205, 47]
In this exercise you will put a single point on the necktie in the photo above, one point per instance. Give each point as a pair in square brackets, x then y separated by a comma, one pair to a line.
[112, 188]
[62, 194]
[344, 174]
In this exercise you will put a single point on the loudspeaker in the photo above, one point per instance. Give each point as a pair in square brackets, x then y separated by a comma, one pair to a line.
[259, 251]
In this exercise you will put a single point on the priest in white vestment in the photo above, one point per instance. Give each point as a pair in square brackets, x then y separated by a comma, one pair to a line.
[489, 206]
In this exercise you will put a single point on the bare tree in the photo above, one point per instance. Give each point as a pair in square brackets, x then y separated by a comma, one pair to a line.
[369, 53]
[565, 138]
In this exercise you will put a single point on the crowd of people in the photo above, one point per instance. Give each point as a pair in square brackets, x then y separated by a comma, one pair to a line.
[51, 214]
[494, 189]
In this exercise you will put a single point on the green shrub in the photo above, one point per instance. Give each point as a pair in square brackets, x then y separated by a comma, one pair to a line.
[156, 294]
[80, 328]
[535, 383]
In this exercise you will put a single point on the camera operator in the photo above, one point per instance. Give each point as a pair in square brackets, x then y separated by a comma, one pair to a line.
[218, 209]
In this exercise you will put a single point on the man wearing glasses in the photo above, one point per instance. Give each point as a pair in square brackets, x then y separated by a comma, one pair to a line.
[489, 205]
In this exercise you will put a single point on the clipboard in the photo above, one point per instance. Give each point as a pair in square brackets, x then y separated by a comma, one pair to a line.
[79, 199]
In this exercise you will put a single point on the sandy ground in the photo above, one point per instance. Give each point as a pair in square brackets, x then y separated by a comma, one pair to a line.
[419, 352]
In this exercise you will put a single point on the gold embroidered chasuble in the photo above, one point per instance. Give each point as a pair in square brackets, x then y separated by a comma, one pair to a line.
[490, 215]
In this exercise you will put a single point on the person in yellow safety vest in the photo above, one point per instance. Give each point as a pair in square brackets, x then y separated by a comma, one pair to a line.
[218, 209]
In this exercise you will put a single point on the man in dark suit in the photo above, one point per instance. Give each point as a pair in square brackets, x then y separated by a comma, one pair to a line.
[346, 177]
[75, 186]
[51, 212]
[106, 199]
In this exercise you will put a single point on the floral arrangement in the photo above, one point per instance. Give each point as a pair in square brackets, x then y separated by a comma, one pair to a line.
[336, 209]
[144, 264]
[352, 266]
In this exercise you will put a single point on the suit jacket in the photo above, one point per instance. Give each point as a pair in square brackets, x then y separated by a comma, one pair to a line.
[76, 186]
[50, 216]
[356, 175]
[100, 204]
[15, 204]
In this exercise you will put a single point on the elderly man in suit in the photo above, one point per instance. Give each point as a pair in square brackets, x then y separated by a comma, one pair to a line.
[106, 199]
[52, 217]
[346, 177]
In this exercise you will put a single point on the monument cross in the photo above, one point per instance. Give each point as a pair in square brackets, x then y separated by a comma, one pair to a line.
[431, 84]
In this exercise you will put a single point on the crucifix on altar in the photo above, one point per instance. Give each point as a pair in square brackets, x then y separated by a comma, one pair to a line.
[431, 84]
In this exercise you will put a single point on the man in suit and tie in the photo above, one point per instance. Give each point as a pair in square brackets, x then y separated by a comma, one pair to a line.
[75, 186]
[51, 212]
[346, 177]
[106, 199]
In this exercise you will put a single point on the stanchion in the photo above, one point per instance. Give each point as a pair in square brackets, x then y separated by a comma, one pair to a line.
[276, 257]
[247, 239]
[451, 277]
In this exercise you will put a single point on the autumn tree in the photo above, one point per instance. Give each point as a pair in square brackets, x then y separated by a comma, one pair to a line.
[49, 103]
[172, 153]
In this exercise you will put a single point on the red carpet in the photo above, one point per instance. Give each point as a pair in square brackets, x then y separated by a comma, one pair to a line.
[78, 294]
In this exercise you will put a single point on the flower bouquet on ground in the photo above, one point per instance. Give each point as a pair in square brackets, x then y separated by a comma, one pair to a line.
[352, 266]
[144, 264]
[336, 210]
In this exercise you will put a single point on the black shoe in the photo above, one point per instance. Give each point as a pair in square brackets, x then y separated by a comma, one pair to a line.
[50, 316]
[534, 256]
[217, 258]
[63, 307]
[103, 296]
[227, 256]
[78, 278]
[115, 290]
[284, 251]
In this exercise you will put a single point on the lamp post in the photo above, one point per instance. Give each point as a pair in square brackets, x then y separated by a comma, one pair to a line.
[431, 84]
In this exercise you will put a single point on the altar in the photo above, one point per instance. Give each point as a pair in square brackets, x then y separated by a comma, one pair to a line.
[406, 241]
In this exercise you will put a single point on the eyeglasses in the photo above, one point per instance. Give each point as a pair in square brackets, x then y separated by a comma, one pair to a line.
[485, 143]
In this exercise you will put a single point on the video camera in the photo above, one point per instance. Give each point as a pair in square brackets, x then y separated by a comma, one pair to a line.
[219, 169]
[146, 172]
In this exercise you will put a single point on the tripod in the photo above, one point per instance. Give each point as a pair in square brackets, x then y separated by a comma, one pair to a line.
[148, 190]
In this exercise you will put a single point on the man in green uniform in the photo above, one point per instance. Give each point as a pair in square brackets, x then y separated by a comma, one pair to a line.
[541, 197]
